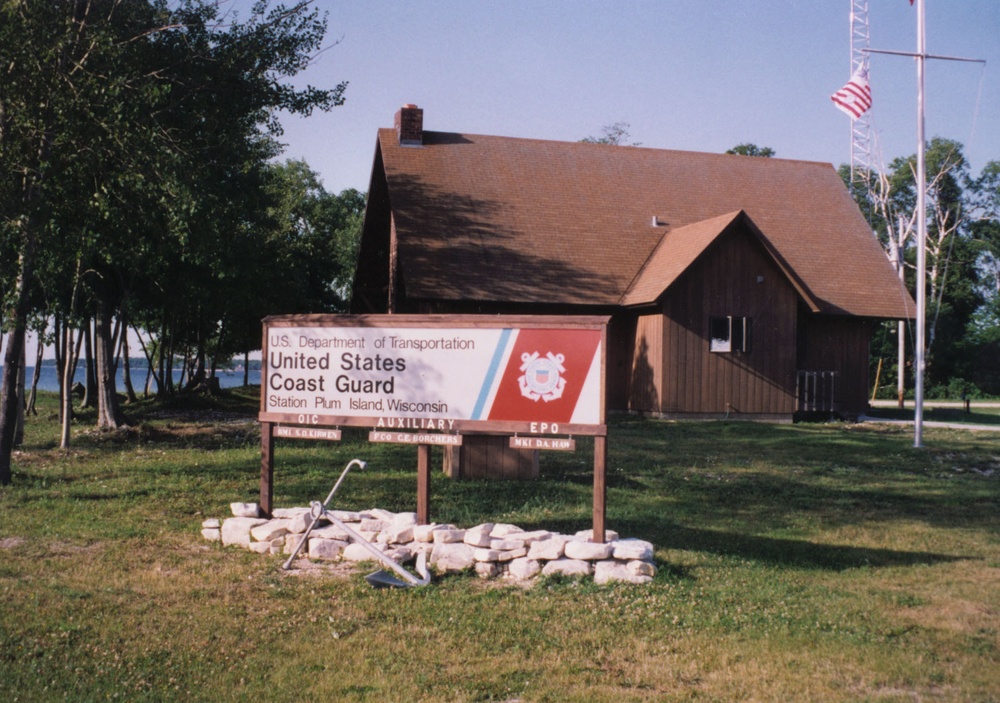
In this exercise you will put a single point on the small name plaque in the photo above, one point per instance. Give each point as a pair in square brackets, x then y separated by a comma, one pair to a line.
[450, 440]
[292, 432]
[563, 444]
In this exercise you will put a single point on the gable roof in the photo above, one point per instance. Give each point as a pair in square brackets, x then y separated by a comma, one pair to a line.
[520, 220]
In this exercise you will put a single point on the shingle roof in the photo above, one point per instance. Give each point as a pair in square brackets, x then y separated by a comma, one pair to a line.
[519, 220]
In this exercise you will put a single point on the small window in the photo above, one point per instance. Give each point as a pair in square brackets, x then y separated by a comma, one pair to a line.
[729, 334]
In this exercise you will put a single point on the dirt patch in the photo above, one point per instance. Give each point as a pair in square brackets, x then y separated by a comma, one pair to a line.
[11, 542]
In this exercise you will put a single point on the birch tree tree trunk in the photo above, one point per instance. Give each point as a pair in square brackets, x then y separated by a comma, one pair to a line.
[9, 398]
[109, 415]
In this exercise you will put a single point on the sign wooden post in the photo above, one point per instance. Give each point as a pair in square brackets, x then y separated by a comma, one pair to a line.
[600, 486]
[266, 468]
[423, 484]
[429, 379]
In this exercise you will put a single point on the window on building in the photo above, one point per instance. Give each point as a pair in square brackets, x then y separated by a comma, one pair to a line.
[729, 334]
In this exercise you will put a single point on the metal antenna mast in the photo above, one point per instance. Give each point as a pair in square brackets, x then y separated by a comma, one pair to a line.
[866, 170]
[861, 128]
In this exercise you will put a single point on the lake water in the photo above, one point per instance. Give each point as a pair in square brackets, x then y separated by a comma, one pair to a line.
[49, 380]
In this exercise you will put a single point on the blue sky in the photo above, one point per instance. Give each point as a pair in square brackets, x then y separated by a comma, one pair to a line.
[702, 75]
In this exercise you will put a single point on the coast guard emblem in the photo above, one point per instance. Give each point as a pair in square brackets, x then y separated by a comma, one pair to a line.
[541, 376]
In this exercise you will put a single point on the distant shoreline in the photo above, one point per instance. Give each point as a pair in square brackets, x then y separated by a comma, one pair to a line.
[48, 378]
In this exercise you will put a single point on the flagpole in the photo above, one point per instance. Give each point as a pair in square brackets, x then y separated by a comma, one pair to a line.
[919, 361]
[921, 177]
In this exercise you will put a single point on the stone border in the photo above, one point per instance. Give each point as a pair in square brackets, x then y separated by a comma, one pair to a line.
[492, 550]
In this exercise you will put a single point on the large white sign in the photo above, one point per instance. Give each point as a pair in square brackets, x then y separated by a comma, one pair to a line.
[541, 375]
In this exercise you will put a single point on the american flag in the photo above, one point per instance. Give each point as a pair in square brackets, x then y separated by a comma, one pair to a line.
[855, 98]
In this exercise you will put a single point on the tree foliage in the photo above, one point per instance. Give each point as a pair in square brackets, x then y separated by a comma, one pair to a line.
[962, 250]
[750, 149]
[135, 183]
[616, 134]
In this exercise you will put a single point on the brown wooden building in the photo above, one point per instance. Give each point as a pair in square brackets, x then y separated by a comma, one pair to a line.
[737, 286]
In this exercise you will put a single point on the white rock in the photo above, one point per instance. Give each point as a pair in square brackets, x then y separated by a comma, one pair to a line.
[245, 509]
[641, 568]
[346, 515]
[567, 567]
[213, 523]
[372, 525]
[424, 533]
[401, 554]
[260, 547]
[484, 554]
[383, 515]
[548, 549]
[628, 549]
[286, 513]
[451, 556]
[270, 530]
[477, 539]
[291, 541]
[611, 570]
[446, 536]
[420, 548]
[330, 532]
[487, 569]
[326, 548]
[485, 527]
[513, 554]
[356, 552]
[590, 551]
[299, 523]
[529, 537]
[399, 534]
[276, 546]
[523, 568]
[404, 520]
[502, 529]
[588, 535]
[506, 544]
[212, 534]
[236, 530]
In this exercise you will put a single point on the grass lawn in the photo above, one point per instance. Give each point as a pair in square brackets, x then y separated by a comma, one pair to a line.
[813, 562]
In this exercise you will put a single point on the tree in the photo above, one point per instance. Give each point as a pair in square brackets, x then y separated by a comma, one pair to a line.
[42, 44]
[750, 149]
[126, 128]
[951, 273]
[985, 215]
[616, 134]
[957, 262]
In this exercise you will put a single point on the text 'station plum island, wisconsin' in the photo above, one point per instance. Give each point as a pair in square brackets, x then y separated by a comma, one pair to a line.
[430, 379]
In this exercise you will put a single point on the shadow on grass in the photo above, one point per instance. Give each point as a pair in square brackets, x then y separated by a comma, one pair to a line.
[791, 552]
[803, 554]
[953, 415]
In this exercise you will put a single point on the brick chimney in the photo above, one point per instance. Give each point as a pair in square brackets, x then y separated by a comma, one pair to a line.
[409, 125]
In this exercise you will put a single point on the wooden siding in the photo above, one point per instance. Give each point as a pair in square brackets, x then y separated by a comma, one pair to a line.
[838, 344]
[620, 352]
[490, 457]
[673, 370]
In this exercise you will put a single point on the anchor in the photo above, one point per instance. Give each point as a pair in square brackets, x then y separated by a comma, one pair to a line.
[380, 578]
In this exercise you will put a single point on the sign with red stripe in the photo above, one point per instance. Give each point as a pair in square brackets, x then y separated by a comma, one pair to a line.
[528, 374]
